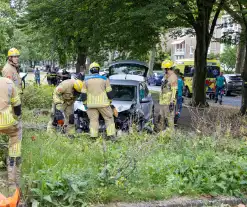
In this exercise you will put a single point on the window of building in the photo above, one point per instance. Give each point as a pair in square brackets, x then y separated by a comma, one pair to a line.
[191, 50]
[180, 47]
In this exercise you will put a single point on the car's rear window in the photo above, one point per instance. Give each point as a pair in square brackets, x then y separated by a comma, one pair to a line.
[123, 93]
[133, 69]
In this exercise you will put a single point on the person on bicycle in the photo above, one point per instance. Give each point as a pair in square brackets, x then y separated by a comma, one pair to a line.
[220, 83]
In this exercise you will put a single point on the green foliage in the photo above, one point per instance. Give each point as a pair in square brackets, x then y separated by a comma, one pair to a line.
[37, 97]
[228, 58]
[7, 19]
[62, 172]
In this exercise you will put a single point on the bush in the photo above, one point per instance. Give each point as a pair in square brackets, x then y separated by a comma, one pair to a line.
[37, 97]
[62, 172]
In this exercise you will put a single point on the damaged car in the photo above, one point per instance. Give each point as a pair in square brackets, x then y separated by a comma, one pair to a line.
[132, 100]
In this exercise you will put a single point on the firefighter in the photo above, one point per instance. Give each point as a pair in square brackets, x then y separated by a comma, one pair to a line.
[10, 124]
[64, 96]
[167, 98]
[97, 94]
[11, 69]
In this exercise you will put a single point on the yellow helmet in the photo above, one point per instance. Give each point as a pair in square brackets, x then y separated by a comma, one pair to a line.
[166, 64]
[78, 85]
[13, 52]
[94, 65]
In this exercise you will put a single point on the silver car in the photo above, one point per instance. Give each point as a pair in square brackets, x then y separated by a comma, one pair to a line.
[131, 98]
[233, 83]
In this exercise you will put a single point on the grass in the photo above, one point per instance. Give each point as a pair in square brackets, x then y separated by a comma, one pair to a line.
[62, 172]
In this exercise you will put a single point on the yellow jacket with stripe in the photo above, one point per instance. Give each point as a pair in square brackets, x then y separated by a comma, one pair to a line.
[64, 93]
[97, 91]
[9, 71]
[9, 99]
[169, 90]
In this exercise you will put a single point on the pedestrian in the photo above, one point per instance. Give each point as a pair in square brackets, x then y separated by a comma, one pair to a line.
[37, 76]
[220, 83]
[10, 124]
[11, 68]
[97, 95]
[64, 97]
[167, 98]
[54, 77]
[179, 105]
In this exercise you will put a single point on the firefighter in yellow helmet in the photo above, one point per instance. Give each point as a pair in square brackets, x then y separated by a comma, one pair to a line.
[64, 97]
[11, 68]
[167, 98]
[10, 124]
[97, 95]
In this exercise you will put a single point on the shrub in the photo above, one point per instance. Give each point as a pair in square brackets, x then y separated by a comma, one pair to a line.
[37, 97]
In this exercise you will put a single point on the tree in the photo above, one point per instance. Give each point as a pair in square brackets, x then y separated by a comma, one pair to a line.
[7, 19]
[237, 9]
[228, 58]
[199, 15]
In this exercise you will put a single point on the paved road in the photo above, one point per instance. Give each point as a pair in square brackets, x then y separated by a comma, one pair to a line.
[233, 100]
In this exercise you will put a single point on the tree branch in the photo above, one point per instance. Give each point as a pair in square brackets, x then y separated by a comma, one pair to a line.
[217, 13]
[242, 13]
[233, 13]
[188, 13]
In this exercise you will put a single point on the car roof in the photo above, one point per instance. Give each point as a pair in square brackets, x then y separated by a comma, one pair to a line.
[137, 62]
[125, 82]
[232, 74]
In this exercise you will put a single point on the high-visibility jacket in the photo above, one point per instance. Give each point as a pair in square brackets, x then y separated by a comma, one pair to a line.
[169, 90]
[9, 71]
[64, 92]
[96, 87]
[9, 98]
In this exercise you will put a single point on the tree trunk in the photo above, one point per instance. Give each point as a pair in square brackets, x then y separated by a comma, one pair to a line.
[240, 53]
[151, 60]
[244, 87]
[199, 93]
[81, 59]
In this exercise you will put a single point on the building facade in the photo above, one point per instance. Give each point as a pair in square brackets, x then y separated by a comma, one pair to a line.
[184, 47]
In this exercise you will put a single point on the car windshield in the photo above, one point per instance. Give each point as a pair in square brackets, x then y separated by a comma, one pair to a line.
[160, 74]
[123, 93]
[132, 69]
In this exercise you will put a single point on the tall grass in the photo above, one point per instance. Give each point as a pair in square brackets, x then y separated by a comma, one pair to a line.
[62, 172]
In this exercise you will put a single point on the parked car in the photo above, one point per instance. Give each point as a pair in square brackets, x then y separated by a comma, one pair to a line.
[156, 78]
[104, 71]
[131, 98]
[233, 83]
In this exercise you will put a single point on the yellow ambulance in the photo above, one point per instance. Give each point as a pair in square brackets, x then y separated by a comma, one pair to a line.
[186, 67]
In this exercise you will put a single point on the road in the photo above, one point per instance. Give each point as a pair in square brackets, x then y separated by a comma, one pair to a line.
[233, 100]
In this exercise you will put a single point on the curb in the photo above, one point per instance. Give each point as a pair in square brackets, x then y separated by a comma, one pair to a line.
[180, 202]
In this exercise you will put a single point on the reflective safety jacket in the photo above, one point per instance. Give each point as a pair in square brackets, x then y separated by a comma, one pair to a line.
[169, 90]
[98, 91]
[9, 98]
[64, 93]
[9, 71]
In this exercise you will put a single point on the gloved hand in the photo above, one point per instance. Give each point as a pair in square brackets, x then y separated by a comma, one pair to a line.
[171, 106]
[114, 110]
[59, 107]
